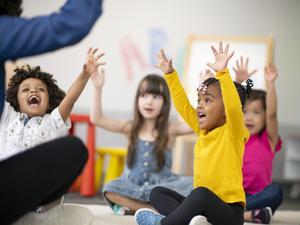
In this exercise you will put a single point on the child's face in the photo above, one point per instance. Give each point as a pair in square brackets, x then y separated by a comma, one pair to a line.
[210, 109]
[150, 105]
[33, 97]
[254, 116]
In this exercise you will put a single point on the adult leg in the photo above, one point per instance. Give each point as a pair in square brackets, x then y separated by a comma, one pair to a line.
[39, 175]
[202, 201]
[271, 196]
[165, 200]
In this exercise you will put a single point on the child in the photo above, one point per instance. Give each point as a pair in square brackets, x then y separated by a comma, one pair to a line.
[151, 138]
[218, 121]
[260, 115]
[36, 109]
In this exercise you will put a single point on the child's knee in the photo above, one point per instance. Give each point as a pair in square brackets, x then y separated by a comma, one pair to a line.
[278, 193]
[157, 191]
[201, 194]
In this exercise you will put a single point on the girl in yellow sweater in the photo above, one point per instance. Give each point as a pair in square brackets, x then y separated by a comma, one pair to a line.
[218, 196]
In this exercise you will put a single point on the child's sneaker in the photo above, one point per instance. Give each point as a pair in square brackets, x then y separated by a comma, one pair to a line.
[120, 210]
[199, 220]
[147, 217]
[263, 216]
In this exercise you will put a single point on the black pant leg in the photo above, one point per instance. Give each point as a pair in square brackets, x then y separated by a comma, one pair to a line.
[165, 200]
[202, 201]
[39, 175]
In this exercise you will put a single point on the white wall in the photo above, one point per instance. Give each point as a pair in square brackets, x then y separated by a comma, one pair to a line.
[176, 19]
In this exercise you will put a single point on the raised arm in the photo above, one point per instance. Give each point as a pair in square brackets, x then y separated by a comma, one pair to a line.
[271, 74]
[231, 99]
[241, 70]
[90, 66]
[180, 100]
[96, 113]
[25, 37]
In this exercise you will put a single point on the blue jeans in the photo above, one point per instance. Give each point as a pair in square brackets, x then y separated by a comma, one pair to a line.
[271, 196]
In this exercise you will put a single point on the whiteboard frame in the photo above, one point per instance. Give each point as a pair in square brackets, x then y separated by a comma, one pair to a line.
[238, 44]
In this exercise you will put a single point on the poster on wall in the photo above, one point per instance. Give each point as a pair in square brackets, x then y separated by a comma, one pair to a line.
[258, 49]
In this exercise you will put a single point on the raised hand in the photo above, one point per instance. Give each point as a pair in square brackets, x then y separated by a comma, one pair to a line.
[92, 61]
[163, 63]
[271, 73]
[98, 78]
[241, 70]
[221, 58]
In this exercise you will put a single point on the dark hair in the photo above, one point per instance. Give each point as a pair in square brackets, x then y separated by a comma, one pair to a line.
[10, 7]
[243, 91]
[258, 95]
[56, 95]
[153, 84]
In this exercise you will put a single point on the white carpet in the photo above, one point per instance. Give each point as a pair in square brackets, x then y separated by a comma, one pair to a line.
[76, 214]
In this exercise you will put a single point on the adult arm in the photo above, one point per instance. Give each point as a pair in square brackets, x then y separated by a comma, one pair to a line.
[22, 37]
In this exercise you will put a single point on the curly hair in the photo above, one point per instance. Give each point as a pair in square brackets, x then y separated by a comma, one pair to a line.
[10, 7]
[56, 95]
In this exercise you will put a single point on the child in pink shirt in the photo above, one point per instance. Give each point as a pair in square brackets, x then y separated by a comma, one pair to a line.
[260, 115]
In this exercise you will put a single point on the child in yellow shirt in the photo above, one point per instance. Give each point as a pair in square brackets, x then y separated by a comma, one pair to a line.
[218, 196]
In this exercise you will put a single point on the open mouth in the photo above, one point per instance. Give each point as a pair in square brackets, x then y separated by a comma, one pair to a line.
[33, 100]
[148, 109]
[201, 115]
[250, 126]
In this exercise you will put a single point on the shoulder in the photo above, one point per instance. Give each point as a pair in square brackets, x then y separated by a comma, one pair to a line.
[55, 118]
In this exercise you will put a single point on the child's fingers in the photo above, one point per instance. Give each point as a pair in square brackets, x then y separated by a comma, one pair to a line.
[247, 61]
[226, 49]
[99, 56]
[100, 64]
[237, 64]
[162, 53]
[220, 47]
[214, 50]
[230, 55]
[89, 50]
[94, 50]
[242, 61]
[210, 65]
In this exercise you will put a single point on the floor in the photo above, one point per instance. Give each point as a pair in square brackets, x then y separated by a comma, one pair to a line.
[79, 210]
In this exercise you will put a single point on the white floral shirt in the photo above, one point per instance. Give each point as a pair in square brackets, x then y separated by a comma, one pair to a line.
[17, 136]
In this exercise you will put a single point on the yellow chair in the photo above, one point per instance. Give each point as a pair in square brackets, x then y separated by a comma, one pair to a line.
[116, 161]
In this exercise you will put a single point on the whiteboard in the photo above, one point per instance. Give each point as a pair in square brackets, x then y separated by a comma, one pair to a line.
[199, 53]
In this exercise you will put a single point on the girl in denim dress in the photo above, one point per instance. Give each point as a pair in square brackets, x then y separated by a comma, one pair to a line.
[151, 138]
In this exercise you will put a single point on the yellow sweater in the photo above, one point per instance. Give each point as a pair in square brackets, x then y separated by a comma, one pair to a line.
[218, 154]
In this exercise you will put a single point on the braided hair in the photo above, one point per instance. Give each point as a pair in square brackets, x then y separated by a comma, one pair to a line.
[243, 91]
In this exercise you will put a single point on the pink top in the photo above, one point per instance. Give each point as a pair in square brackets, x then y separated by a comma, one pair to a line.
[257, 166]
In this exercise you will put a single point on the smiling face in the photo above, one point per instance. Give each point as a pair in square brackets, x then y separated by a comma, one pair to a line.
[33, 97]
[210, 109]
[254, 116]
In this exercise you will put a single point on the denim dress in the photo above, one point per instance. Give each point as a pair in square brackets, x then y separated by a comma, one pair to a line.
[138, 181]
